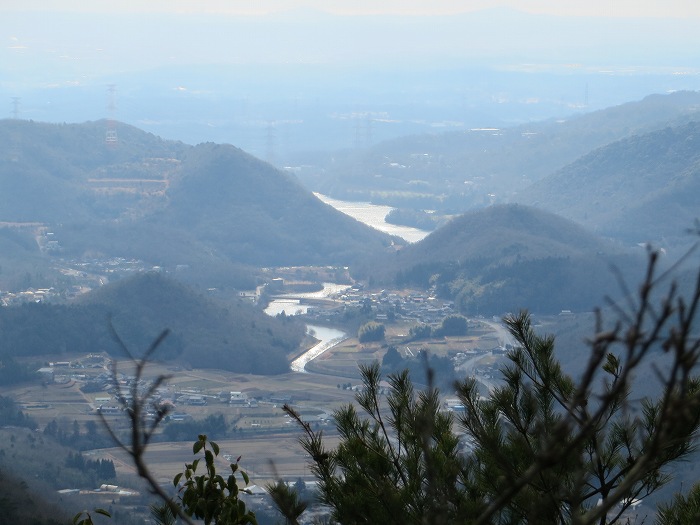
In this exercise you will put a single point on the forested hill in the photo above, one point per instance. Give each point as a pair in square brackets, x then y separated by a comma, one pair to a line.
[204, 333]
[55, 172]
[455, 171]
[254, 213]
[211, 206]
[643, 188]
[507, 257]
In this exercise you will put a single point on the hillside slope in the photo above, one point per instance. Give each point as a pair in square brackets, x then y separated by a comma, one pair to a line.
[256, 214]
[67, 173]
[212, 207]
[456, 171]
[21, 262]
[204, 333]
[507, 257]
[640, 189]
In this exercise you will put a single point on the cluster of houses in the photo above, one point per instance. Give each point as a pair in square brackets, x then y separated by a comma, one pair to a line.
[85, 274]
[420, 307]
[108, 491]
[109, 406]
[93, 373]
[58, 372]
[30, 295]
[111, 265]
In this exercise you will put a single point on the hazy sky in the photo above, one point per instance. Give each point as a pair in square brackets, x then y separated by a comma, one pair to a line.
[85, 39]
[71, 40]
[616, 8]
[53, 52]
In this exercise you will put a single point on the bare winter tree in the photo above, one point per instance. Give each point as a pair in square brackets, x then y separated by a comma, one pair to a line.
[208, 496]
[547, 447]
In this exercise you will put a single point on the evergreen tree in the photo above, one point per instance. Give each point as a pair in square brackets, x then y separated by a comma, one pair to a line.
[546, 448]
[542, 448]
[683, 510]
[401, 465]
[371, 331]
[558, 452]
[392, 360]
[453, 325]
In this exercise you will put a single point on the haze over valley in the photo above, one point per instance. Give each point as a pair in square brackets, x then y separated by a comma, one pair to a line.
[289, 194]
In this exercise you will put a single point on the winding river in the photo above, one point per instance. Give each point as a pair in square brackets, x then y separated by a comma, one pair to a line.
[374, 215]
[327, 337]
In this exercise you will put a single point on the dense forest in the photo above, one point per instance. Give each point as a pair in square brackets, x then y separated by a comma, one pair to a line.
[236, 336]
[508, 257]
[638, 189]
[211, 207]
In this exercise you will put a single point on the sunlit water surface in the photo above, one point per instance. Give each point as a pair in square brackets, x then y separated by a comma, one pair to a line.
[374, 215]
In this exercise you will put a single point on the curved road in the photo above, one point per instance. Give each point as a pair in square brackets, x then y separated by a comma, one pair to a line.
[469, 366]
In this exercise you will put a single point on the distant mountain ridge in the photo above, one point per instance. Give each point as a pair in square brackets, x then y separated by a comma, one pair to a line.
[501, 233]
[642, 188]
[166, 202]
[457, 171]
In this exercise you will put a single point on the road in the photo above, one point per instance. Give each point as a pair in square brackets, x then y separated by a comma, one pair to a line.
[469, 367]
[502, 333]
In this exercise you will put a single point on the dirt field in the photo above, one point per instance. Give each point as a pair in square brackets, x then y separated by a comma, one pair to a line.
[264, 458]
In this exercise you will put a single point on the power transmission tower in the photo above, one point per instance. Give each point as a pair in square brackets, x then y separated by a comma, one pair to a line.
[111, 138]
[15, 107]
[363, 129]
[368, 130]
[270, 142]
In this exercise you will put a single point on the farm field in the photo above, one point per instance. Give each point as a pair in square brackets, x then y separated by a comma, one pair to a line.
[262, 435]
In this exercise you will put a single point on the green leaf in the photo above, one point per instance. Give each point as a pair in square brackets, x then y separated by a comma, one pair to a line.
[177, 478]
[197, 446]
[103, 512]
[215, 448]
[245, 477]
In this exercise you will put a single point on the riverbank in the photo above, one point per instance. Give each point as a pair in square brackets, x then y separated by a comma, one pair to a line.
[328, 338]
